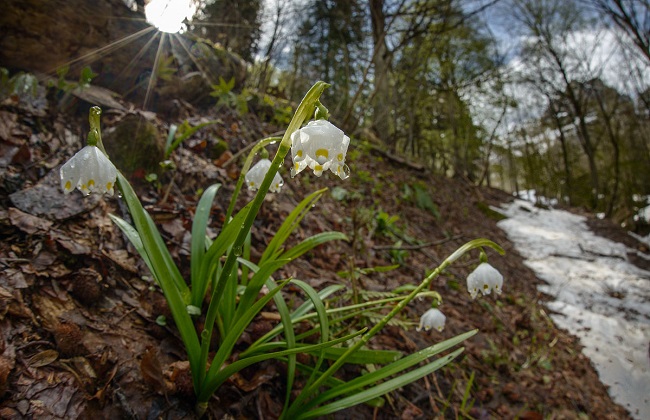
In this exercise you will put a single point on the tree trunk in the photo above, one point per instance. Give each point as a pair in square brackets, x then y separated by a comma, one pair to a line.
[381, 61]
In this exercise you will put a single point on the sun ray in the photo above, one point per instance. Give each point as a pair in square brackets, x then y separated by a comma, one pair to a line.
[105, 50]
[198, 65]
[153, 78]
[225, 25]
[139, 55]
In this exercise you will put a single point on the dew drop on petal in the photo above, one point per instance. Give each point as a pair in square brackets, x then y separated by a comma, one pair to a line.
[345, 173]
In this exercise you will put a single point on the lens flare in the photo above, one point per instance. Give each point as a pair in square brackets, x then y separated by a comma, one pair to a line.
[168, 15]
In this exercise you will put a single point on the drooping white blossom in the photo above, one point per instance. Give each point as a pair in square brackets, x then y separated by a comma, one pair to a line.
[320, 145]
[90, 171]
[484, 279]
[256, 174]
[432, 318]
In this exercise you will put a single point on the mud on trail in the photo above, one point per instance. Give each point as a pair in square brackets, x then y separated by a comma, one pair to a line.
[78, 308]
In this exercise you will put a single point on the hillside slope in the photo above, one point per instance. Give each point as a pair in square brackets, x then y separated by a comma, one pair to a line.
[78, 315]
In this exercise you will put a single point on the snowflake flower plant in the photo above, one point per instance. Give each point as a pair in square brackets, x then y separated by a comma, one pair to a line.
[320, 145]
[256, 175]
[485, 279]
[433, 318]
[90, 171]
[219, 270]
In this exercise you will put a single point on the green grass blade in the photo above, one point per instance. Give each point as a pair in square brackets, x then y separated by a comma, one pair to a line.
[312, 242]
[323, 321]
[157, 256]
[381, 389]
[186, 134]
[290, 223]
[134, 238]
[298, 313]
[232, 336]
[167, 259]
[290, 337]
[391, 369]
[255, 285]
[216, 250]
[199, 225]
[234, 367]
[364, 357]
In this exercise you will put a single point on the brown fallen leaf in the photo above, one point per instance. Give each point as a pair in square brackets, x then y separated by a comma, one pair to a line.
[151, 370]
[43, 358]
[28, 223]
[260, 377]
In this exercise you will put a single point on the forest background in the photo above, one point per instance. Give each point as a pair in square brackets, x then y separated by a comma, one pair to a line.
[550, 95]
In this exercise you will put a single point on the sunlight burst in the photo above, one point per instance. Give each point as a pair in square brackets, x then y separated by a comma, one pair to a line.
[168, 15]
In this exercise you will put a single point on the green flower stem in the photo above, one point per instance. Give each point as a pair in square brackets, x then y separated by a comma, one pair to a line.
[313, 387]
[95, 132]
[247, 165]
[303, 112]
[333, 311]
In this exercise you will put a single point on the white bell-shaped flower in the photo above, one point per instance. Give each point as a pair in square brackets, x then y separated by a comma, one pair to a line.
[90, 171]
[484, 279]
[432, 318]
[256, 174]
[320, 145]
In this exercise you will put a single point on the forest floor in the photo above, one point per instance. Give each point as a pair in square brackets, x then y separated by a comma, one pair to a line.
[78, 310]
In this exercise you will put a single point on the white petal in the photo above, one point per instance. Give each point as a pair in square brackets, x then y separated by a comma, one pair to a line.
[69, 173]
[432, 318]
[484, 279]
[89, 170]
[255, 176]
[321, 146]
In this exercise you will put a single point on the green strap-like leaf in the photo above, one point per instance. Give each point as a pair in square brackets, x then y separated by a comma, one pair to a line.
[134, 238]
[230, 340]
[216, 250]
[389, 370]
[160, 258]
[312, 242]
[381, 389]
[199, 225]
[234, 367]
[295, 315]
[363, 356]
[289, 224]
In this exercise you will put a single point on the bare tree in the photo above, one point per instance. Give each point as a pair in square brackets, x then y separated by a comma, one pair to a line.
[632, 17]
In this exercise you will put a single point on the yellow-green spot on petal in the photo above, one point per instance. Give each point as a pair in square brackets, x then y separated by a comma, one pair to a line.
[322, 153]
[299, 153]
[339, 157]
[297, 166]
[109, 186]
[91, 183]
[68, 185]
[318, 168]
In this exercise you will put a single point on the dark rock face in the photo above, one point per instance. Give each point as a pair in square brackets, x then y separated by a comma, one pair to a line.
[43, 36]
[118, 44]
[135, 144]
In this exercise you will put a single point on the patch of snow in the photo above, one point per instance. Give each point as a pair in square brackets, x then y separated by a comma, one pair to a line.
[599, 296]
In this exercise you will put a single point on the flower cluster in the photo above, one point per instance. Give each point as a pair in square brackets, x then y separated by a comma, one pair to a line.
[90, 171]
[256, 174]
[320, 145]
[432, 318]
[484, 278]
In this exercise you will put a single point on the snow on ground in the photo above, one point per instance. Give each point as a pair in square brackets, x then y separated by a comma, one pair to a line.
[599, 296]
